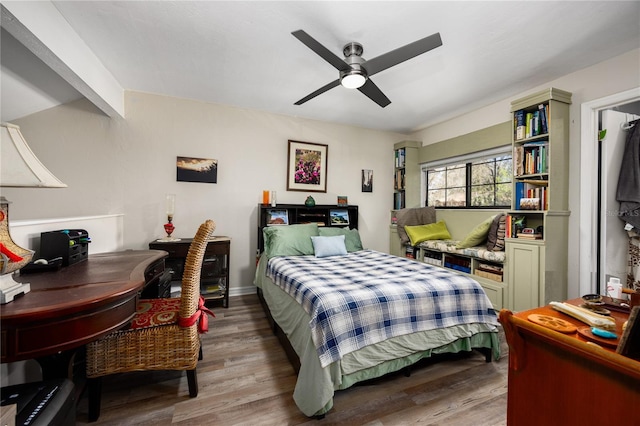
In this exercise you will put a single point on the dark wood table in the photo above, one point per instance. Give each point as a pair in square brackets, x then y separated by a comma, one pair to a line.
[72, 306]
[565, 379]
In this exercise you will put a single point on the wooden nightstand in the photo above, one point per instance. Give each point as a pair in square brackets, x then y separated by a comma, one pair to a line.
[214, 279]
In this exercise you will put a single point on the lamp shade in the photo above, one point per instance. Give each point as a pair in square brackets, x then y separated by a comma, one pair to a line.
[19, 167]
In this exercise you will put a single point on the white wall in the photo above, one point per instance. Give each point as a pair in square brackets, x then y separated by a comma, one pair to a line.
[116, 166]
[125, 167]
[606, 78]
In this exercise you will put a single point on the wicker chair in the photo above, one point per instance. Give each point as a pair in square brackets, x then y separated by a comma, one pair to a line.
[163, 335]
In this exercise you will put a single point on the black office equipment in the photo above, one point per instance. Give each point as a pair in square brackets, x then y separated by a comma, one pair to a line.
[52, 402]
[70, 244]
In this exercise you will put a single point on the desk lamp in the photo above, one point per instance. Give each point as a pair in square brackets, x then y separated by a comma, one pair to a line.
[19, 167]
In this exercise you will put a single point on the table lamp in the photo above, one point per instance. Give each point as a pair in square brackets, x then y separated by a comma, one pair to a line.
[19, 167]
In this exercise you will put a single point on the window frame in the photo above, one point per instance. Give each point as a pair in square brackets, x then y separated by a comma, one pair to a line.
[467, 160]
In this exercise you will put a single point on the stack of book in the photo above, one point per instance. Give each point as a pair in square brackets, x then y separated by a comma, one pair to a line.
[531, 158]
[492, 272]
[528, 236]
[528, 124]
[400, 157]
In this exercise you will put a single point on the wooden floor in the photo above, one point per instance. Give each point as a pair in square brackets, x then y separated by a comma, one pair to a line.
[246, 379]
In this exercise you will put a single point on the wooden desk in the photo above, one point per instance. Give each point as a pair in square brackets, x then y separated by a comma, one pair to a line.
[76, 304]
[557, 378]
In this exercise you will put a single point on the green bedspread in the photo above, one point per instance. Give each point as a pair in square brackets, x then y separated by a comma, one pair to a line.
[315, 386]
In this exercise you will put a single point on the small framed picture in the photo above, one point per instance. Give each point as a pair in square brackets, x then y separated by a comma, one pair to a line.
[343, 201]
[367, 180]
[339, 217]
[277, 217]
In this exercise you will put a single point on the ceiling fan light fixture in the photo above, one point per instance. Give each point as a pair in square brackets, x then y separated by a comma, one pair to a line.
[353, 80]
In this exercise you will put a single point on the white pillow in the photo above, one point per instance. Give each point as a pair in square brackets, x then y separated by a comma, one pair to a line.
[329, 246]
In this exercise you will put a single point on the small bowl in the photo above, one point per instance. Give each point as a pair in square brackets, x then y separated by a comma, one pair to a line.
[593, 299]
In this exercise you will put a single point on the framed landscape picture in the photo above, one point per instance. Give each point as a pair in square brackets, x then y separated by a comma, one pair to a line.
[192, 169]
[307, 167]
[277, 217]
[339, 217]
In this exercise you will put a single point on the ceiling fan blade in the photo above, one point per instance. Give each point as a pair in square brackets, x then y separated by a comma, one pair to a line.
[322, 51]
[401, 54]
[374, 93]
[319, 92]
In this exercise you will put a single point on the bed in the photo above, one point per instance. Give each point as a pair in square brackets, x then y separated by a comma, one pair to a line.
[346, 314]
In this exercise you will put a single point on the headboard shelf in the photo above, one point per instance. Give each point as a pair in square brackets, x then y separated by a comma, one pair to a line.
[290, 214]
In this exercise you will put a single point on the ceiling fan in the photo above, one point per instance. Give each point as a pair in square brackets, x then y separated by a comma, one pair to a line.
[355, 72]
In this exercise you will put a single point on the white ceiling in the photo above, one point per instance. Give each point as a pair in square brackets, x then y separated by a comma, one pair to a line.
[242, 53]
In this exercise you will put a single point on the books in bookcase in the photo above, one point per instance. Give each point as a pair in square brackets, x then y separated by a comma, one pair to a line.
[398, 200]
[400, 157]
[532, 195]
[514, 224]
[531, 123]
[399, 179]
[531, 158]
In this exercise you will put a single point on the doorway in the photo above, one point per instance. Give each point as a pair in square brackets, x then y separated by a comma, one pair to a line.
[603, 241]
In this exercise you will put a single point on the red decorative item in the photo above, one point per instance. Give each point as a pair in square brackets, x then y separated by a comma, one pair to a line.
[169, 228]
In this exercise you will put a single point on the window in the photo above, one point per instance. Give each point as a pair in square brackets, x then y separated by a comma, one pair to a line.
[477, 180]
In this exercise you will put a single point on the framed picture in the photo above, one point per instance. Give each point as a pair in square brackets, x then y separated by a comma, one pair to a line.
[343, 201]
[277, 217]
[367, 180]
[338, 217]
[307, 167]
[191, 169]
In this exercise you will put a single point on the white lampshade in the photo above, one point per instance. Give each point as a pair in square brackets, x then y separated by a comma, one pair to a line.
[19, 166]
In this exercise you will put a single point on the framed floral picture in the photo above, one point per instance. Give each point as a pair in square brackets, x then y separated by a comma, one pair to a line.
[307, 167]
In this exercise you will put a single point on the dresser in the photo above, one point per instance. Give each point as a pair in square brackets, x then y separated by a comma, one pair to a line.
[214, 275]
[564, 378]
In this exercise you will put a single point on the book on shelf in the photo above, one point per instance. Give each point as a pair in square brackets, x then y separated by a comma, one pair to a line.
[518, 160]
[400, 157]
[530, 204]
[519, 124]
[543, 111]
[514, 224]
[398, 200]
[399, 179]
[211, 289]
[536, 236]
[490, 275]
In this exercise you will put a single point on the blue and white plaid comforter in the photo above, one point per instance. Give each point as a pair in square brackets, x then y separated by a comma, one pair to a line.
[366, 297]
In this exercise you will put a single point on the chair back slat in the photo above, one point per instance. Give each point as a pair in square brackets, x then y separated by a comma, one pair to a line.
[193, 265]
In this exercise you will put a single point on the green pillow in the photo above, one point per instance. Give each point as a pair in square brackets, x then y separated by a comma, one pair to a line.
[477, 235]
[431, 231]
[351, 236]
[289, 240]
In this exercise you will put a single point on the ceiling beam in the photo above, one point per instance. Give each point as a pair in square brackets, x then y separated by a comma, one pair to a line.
[42, 29]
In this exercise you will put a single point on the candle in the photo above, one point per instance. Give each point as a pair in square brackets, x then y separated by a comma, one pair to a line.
[265, 197]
